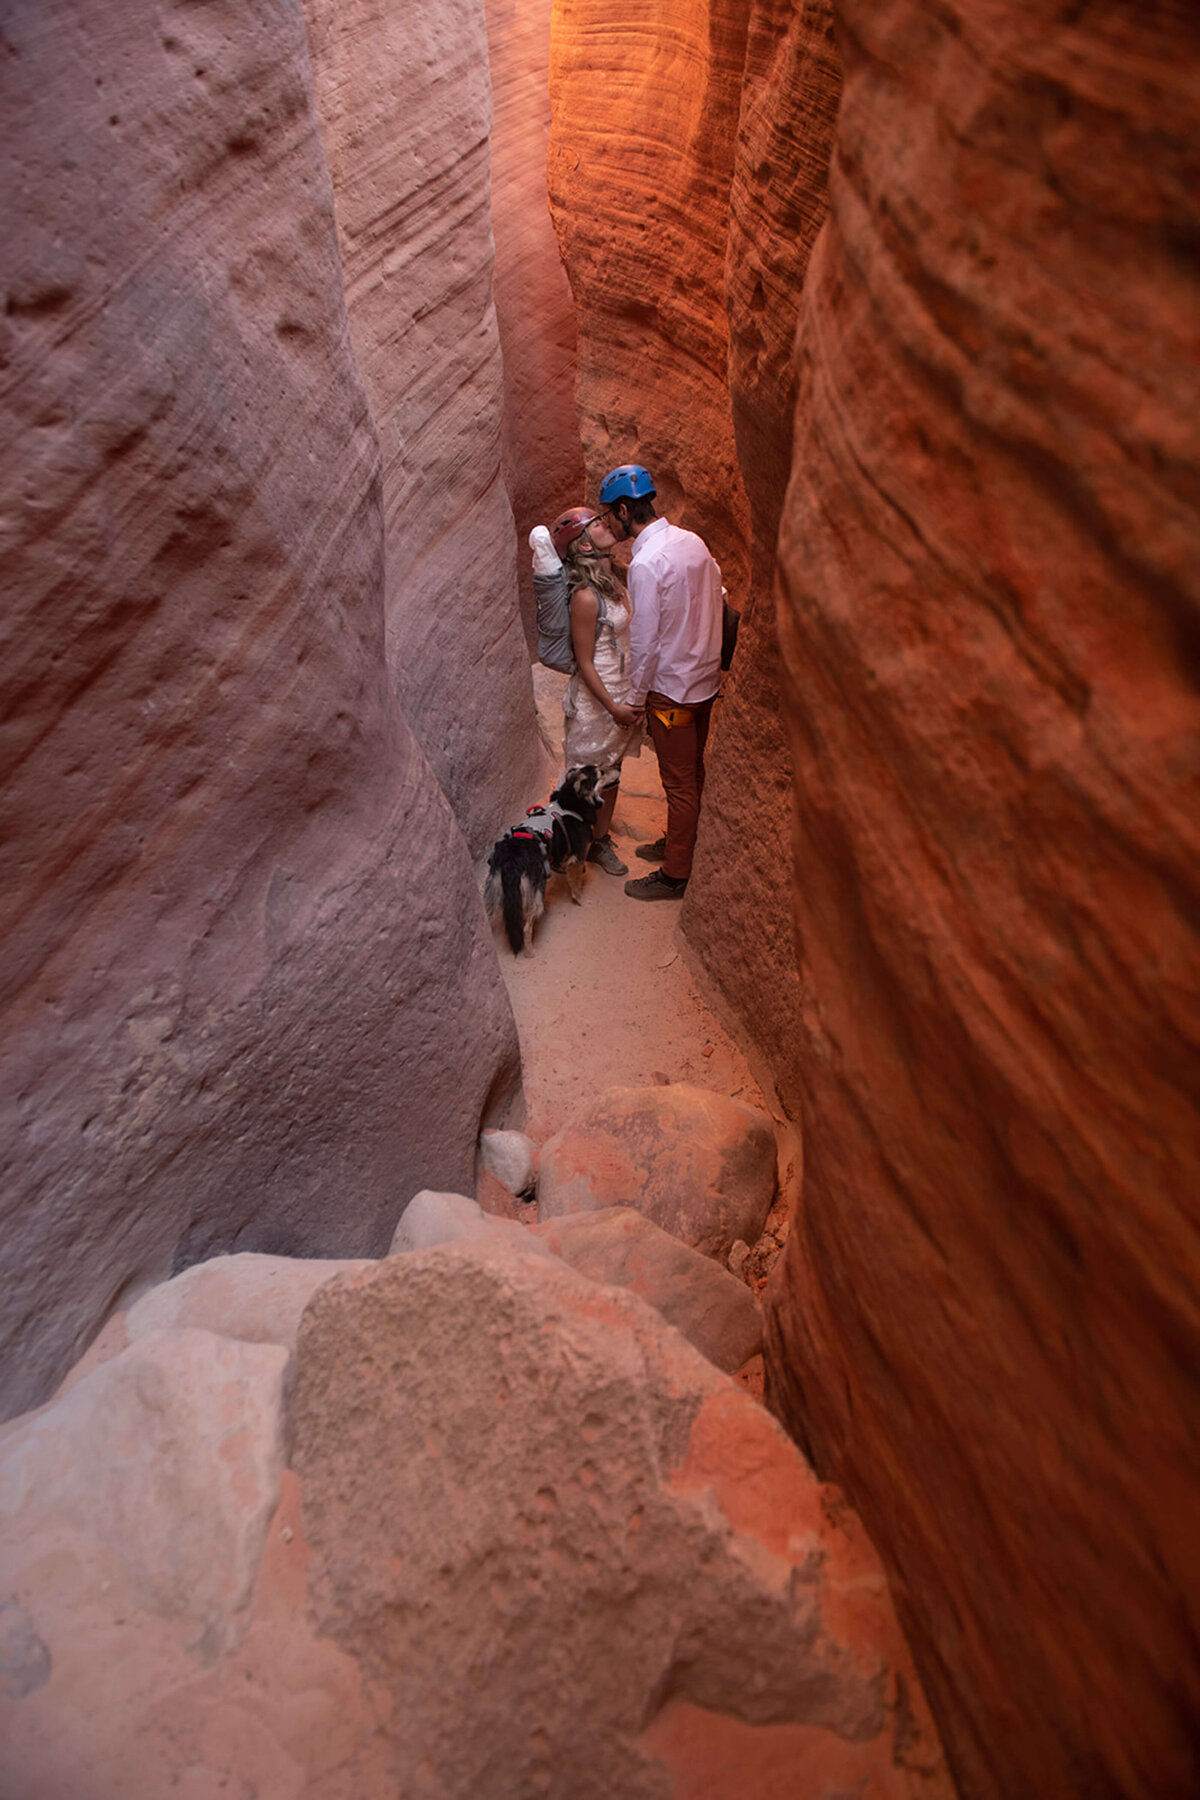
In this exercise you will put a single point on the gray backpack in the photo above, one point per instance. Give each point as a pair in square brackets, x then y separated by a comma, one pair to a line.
[553, 596]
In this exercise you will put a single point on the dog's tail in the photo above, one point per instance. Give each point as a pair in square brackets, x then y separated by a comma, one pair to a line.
[514, 909]
[503, 893]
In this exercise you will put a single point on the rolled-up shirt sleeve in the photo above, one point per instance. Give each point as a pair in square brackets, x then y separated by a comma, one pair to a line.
[643, 630]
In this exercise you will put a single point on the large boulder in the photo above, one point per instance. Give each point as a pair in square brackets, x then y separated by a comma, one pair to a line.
[258, 1299]
[700, 1166]
[555, 1534]
[713, 1309]
[431, 1218]
[152, 1629]
[158, 1474]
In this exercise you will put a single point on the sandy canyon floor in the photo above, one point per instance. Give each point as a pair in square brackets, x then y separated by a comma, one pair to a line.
[607, 999]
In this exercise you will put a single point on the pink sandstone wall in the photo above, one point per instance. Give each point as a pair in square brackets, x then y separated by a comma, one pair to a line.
[405, 105]
[250, 1001]
[543, 457]
[989, 1324]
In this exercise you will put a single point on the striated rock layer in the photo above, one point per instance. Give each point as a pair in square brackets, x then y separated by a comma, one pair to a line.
[249, 997]
[405, 111]
[645, 110]
[543, 458]
[988, 1329]
[736, 914]
[687, 174]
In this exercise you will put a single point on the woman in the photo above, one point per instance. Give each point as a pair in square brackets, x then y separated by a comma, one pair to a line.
[599, 723]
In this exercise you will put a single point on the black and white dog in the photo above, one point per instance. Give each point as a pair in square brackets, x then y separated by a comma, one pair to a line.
[550, 840]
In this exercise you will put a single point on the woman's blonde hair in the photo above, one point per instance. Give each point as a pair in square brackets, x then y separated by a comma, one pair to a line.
[587, 567]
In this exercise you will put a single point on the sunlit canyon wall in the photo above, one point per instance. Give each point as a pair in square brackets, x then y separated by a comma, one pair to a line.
[687, 176]
[250, 999]
[986, 1018]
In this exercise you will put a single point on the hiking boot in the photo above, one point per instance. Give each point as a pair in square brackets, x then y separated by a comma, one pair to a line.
[604, 852]
[656, 887]
[652, 852]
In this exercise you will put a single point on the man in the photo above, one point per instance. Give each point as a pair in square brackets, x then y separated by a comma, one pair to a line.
[675, 661]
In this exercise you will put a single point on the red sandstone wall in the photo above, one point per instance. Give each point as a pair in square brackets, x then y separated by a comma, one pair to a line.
[988, 1325]
[405, 107]
[645, 109]
[988, 1329]
[687, 176]
[736, 915]
[250, 1001]
[543, 457]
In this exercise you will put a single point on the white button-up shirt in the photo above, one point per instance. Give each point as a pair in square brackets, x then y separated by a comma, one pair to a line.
[675, 633]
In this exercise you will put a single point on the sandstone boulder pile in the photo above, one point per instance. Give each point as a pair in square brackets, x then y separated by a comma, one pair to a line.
[619, 1247]
[701, 1166]
[555, 1519]
[615, 1246]
[527, 1540]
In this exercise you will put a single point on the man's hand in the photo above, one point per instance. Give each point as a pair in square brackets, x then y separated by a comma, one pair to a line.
[624, 715]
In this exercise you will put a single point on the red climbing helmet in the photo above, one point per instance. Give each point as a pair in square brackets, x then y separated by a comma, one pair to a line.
[572, 524]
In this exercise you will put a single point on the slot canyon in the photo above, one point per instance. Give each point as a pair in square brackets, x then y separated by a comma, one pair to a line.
[774, 1376]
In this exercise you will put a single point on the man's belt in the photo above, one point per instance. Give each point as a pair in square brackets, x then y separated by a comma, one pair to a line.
[673, 715]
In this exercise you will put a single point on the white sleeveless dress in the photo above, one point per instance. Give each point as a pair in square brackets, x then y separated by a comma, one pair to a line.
[590, 734]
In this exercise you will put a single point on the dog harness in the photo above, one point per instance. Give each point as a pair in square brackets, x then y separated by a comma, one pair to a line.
[540, 822]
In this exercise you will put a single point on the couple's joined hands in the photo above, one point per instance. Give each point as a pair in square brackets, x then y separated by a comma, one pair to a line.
[624, 715]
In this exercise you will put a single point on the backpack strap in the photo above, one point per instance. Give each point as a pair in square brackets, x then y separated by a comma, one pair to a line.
[602, 609]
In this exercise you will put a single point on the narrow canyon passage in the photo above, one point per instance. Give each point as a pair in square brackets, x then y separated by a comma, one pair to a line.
[332, 1466]
[608, 999]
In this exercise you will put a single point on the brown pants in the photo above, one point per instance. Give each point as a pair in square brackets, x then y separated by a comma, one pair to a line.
[680, 752]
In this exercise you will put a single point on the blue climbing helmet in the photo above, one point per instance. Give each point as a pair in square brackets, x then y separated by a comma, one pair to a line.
[629, 482]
